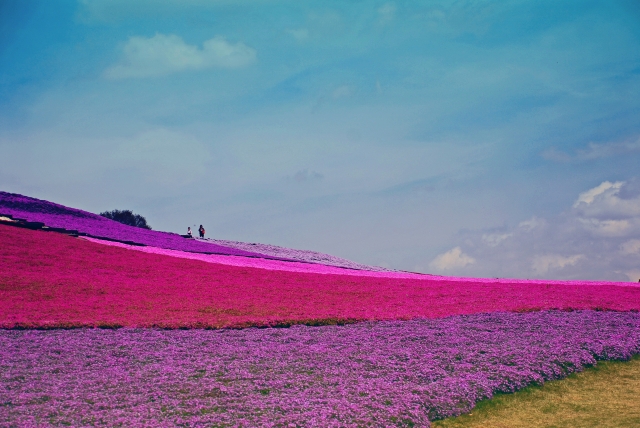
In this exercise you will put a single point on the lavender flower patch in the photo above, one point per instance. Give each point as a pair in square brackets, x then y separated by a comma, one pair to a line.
[59, 216]
[369, 374]
[298, 255]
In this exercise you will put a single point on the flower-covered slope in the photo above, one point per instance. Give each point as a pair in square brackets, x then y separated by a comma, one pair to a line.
[71, 219]
[54, 280]
[368, 374]
[262, 263]
[293, 266]
[299, 255]
[59, 216]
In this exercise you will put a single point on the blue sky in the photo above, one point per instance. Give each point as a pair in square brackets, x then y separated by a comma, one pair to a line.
[452, 137]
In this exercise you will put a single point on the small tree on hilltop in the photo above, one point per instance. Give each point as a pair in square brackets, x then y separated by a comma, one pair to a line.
[127, 217]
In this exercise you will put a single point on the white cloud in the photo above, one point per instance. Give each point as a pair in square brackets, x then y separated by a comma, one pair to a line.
[166, 54]
[630, 247]
[543, 263]
[590, 195]
[604, 201]
[452, 259]
[494, 239]
[599, 240]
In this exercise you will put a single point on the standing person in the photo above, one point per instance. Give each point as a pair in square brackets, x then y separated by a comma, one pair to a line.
[201, 231]
[189, 232]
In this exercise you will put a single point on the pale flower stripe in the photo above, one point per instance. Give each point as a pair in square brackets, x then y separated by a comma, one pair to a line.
[278, 265]
[260, 263]
[291, 254]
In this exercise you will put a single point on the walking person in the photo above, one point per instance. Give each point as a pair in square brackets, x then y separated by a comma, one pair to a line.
[201, 231]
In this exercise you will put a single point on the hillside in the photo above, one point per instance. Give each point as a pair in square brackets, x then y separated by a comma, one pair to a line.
[102, 323]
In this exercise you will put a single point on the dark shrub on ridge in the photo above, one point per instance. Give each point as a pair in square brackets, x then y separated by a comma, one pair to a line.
[127, 217]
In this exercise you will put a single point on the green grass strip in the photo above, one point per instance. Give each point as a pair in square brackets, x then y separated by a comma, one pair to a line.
[607, 395]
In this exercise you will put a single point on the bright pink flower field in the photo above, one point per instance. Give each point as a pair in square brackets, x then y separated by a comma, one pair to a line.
[53, 280]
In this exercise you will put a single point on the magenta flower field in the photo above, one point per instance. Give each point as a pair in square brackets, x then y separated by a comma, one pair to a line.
[51, 280]
[177, 342]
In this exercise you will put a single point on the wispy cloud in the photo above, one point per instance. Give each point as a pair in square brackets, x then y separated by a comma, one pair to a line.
[606, 227]
[630, 247]
[166, 54]
[113, 11]
[544, 263]
[343, 91]
[494, 239]
[593, 151]
[300, 34]
[533, 223]
[590, 195]
[604, 202]
[386, 13]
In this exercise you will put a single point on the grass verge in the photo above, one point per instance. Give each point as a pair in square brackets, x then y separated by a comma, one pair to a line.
[603, 396]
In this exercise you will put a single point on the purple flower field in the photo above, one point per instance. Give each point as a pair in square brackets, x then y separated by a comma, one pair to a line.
[369, 374]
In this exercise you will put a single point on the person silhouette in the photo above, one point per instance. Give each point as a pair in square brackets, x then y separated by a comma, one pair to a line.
[201, 231]
[189, 232]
